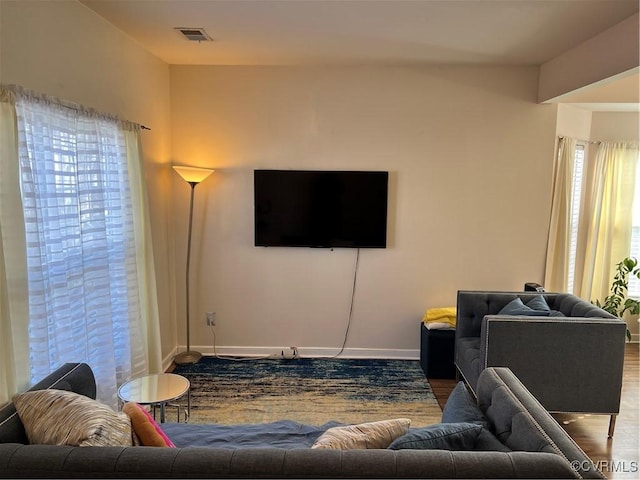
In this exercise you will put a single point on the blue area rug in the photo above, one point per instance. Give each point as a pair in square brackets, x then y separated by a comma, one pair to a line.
[309, 391]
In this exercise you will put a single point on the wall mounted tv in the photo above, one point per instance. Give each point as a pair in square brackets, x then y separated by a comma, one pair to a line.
[311, 208]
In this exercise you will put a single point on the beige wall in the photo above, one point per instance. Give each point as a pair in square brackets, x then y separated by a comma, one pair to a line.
[63, 49]
[469, 154]
[573, 122]
[468, 149]
[615, 126]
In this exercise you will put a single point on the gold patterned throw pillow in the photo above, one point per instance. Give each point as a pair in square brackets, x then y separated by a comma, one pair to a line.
[364, 435]
[59, 417]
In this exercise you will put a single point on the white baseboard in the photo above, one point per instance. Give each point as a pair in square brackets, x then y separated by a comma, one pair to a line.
[308, 352]
[168, 360]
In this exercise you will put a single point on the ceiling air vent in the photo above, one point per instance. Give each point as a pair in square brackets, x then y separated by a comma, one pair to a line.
[194, 34]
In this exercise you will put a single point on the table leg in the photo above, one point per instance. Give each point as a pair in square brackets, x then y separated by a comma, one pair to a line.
[162, 418]
[187, 413]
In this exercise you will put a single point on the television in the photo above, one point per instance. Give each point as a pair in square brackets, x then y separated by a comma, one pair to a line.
[324, 209]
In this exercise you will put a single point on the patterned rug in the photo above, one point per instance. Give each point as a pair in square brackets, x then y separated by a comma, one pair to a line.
[309, 391]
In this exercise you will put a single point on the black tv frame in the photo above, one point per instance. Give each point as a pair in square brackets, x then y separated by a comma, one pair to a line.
[332, 218]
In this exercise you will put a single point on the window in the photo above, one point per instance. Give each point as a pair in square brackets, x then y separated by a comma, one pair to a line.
[634, 282]
[576, 201]
[82, 264]
[574, 216]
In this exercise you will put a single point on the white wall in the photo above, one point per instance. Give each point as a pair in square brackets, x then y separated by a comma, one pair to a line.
[573, 122]
[615, 126]
[64, 49]
[469, 154]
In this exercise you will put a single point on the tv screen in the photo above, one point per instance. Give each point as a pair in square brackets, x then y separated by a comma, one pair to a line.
[309, 208]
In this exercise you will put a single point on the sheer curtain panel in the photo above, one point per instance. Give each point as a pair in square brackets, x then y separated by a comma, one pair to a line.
[91, 285]
[145, 266]
[557, 263]
[609, 210]
[14, 308]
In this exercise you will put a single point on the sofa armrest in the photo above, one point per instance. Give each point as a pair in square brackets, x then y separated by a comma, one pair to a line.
[570, 364]
[512, 409]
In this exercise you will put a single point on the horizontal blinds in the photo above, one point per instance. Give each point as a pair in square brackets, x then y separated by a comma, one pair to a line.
[576, 198]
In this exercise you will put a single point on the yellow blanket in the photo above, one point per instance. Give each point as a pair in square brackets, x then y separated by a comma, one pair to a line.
[441, 315]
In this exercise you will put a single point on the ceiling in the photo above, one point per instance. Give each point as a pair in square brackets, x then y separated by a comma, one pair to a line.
[363, 32]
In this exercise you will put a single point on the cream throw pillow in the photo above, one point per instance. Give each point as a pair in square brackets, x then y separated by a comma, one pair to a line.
[59, 417]
[364, 435]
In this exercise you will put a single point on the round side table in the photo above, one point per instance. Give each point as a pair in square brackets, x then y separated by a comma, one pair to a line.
[157, 390]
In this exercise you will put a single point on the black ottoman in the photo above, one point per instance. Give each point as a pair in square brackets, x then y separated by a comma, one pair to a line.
[436, 352]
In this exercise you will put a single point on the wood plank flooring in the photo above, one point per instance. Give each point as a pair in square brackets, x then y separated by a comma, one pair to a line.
[617, 457]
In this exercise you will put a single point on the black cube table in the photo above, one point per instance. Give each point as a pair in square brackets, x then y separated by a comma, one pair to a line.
[437, 352]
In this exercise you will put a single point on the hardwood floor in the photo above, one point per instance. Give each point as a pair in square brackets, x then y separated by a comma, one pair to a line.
[617, 457]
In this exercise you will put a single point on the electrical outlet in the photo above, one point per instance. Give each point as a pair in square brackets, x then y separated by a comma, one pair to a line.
[291, 354]
[211, 319]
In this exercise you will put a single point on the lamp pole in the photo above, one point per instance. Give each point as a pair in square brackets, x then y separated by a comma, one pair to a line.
[192, 176]
[190, 356]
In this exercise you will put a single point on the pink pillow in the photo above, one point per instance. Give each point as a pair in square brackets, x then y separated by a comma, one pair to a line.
[145, 427]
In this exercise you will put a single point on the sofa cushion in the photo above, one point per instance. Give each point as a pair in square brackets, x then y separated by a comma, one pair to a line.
[517, 307]
[462, 407]
[535, 307]
[364, 435]
[461, 436]
[441, 436]
[59, 417]
[538, 303]
[145, 427]
[77, 377]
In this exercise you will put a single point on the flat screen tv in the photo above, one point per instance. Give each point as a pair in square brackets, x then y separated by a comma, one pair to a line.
[311, 208]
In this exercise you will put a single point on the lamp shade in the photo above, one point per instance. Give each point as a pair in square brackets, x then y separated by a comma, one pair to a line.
[193, 174]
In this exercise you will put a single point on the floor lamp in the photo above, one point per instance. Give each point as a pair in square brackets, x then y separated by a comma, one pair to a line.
[193, 176]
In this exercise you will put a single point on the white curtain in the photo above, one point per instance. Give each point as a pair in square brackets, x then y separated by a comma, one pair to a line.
[558, 243]
[609, 208]
[146, 273]
[14, 308]
[91, 283]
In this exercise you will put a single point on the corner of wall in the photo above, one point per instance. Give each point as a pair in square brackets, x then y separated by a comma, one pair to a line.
[573, 122]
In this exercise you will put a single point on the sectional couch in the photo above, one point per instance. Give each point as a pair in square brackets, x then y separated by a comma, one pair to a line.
[515, 438]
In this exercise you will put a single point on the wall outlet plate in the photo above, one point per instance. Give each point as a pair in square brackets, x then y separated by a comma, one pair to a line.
[211, 319]
[290, 354]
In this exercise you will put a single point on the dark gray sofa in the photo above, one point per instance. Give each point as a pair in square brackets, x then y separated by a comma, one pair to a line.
[534, 446]
[570, 363]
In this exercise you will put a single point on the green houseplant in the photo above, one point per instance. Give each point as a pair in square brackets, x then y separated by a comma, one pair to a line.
[617, 303]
